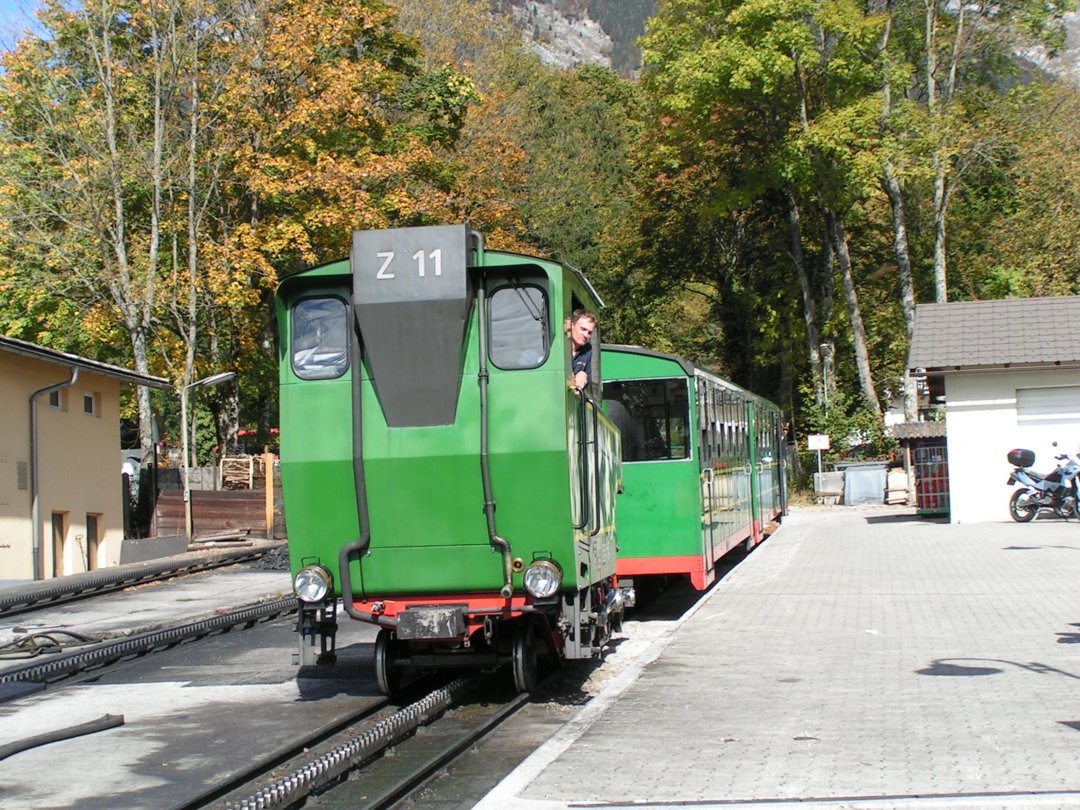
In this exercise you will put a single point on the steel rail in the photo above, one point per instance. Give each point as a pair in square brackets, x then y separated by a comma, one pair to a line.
[244, 778]
[418, 776]
[324, 769]
[22, 598]
[65, 664]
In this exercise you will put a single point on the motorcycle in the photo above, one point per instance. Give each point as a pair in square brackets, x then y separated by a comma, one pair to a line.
[1057, 491]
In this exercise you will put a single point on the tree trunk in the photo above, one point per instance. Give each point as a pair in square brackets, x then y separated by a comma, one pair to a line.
[907, 287]
[828, 345]
[900, 242]
[190, 324]
[134, 306]
[858, 332]
[941, 202]
[813, 336]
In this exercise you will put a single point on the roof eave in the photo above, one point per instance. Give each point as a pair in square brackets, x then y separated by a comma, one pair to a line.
[937, 371]
[27, 349]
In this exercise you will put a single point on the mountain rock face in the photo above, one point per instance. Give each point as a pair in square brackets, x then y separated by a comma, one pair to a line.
[566, 33]
[560, 40]
[1066, 65]
[575, 32]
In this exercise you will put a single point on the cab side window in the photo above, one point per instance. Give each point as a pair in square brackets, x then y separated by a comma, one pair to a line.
[320, 338]
[518, 327]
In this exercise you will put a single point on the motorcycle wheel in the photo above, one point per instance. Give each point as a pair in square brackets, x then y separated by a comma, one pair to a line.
[1021, 508]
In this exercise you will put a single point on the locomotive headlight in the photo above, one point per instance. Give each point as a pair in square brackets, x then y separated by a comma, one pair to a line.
[312, 583]
[543, 578]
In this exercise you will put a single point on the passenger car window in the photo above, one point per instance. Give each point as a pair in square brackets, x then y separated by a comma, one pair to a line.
[652, 416]
[320, 338]
[518, 327]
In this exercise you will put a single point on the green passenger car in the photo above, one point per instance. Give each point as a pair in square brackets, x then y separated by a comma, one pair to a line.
[702, 466]
[442, 475]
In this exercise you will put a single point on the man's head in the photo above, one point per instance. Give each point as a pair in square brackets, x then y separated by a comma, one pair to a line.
[582, 326]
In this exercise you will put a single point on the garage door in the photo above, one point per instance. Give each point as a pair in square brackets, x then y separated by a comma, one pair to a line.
[1047, 415]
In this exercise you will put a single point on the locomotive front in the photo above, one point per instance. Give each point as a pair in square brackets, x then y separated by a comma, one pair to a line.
[441, 474]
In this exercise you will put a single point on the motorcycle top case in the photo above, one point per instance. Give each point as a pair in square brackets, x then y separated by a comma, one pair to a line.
[1021, 458]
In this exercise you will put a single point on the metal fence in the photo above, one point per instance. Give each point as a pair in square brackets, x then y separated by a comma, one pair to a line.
[932, 479]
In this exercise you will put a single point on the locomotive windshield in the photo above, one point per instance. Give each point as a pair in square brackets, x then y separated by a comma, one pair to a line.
[319, 338]
[519, 331]
[653, 417]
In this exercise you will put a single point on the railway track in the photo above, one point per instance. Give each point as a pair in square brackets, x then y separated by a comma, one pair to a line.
[24, 598]
[273, 736]
[452, 716]
[229, 721]
[19, 680]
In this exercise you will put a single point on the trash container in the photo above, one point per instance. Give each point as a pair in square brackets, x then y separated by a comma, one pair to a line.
[864, 481]
[829, 487]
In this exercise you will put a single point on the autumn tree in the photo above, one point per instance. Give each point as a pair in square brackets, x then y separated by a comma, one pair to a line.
[543, 161]
[165, 161]
[84, 135]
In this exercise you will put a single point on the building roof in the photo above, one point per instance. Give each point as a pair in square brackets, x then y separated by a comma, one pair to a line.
[1008, 333]
[27, 349]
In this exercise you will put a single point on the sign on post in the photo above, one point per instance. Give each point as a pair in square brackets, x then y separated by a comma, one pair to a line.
[819, 442]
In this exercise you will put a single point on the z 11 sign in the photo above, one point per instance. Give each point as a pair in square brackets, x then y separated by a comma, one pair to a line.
[817, 441]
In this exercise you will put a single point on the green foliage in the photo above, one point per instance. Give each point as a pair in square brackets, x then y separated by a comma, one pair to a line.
[1016, 213]
[443, 97]
[624, 22]
[578, 132]
[854, 430]
[673, 193]
[753, 102]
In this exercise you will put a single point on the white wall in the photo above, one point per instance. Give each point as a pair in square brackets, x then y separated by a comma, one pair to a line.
[982, 427]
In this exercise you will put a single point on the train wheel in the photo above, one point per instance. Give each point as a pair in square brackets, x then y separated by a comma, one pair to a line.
[1022, 507]
[387, 674]
[525, 659]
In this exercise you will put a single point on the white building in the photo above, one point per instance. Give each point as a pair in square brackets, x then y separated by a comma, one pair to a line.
[1010, 374]
[61, 499]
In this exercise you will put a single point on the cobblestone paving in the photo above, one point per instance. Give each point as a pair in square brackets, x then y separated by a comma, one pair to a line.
[859, 655]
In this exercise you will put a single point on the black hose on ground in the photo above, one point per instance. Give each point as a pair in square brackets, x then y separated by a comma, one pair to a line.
[101, 724]
[29, 645]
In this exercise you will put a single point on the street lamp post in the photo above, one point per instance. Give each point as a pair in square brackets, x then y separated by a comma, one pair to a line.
[216, 379]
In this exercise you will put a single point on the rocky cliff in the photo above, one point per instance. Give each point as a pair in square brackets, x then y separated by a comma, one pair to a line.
[573, 32]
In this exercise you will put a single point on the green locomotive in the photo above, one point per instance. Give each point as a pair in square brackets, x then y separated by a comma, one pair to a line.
[425, 381]
[702, 465]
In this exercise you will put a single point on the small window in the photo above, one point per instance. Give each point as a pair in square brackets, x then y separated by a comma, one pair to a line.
[56, 400]
[653, 417]
[90, 404]
[518, 327]
[320, 338]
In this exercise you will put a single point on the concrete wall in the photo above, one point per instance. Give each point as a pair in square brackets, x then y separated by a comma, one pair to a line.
[78, 467]
[982, 424]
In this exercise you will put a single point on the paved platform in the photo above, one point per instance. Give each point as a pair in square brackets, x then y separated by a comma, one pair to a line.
[862, 658]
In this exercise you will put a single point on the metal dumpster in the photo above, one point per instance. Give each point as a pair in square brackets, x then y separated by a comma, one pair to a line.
[864, 481]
